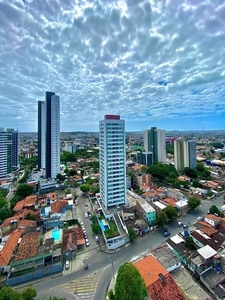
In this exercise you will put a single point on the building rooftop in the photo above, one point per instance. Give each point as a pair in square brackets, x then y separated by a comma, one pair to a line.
[9, 247]
[147, 207]
[207, 252]
[28, 247]
[150, 269]
[25, 203]
[165, 256]
[57, 206]
[213, 218]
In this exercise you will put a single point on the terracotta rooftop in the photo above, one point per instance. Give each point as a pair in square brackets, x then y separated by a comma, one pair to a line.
[52, 196]
[9, 247]
[28, 246]
[213, 217]
[165, 288]
[57, 206]
[28, 201]
[26, 223]
[208, 230]
[150, 268]
[19, 215]
[169, 201]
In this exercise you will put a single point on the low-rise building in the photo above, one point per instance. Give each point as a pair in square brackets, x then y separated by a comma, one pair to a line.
[146, 211]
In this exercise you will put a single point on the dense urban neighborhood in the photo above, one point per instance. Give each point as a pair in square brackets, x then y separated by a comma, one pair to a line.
[47, 223]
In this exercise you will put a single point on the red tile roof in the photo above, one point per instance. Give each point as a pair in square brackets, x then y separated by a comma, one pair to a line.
[150, 268]
[165, 289]
[57, 206]
[159, 282]
[9, 247]
[19, 215]
[28, 246]
[28, 201]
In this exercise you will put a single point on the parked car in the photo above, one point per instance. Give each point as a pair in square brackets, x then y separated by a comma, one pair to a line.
[199, 218]
[87, 244]
[81, 224]
[67, 265]
[185, 226]
[86, 215]
[179, 224]
[166, 232]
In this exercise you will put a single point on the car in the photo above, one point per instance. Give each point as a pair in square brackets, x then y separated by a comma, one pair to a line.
[86, 241]
[86, 215]
[67, 265]
[85, 236]
[166, 233]
[84, 231]
[81, 224]
[87, 244]
[185, 226]
[179, 224]
[86, 205]
[199, 218]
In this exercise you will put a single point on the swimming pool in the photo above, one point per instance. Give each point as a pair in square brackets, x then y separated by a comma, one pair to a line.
[56, 234]
[103, 226]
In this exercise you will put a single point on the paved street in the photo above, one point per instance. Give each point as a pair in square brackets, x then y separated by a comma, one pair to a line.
[100, 261]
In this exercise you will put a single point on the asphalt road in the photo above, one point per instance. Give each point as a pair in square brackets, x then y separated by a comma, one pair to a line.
[109, 264]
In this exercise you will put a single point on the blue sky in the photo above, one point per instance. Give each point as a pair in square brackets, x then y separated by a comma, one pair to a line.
[156, 63]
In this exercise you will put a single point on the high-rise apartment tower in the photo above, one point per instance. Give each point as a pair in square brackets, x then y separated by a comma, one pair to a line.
[154, 141]
[112, 160]
[41, 134]
[184, 154]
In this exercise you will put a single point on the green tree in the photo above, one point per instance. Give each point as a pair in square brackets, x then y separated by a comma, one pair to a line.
[96, 228]
[60, 177]
[24, 190]
[217, 145]
[93, 218]
[132, 234]
[8, 293]
[129, 283]
[29, 293]
[192, 173]
[161, 218]
[85, 188]
[200, 167]
[190, 242]
[214, 210]
[193, 202]
[72, 172]
[171, 212]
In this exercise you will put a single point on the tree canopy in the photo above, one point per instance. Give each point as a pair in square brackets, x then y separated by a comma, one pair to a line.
[215, 210]
[162, 171]
[85, 188]
[171, 212]
[24, 190]
[161, 218]
[129, 283]
[193, 202]
[29, 293]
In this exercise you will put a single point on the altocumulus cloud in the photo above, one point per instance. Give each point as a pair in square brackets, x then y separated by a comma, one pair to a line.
[146, 60]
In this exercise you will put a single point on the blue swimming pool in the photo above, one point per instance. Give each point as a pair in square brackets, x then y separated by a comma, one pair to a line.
[56, 234]
[103, 227]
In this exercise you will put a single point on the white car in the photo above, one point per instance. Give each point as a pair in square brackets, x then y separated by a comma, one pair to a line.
[67, 265]
[86, 241]
[87, 244]
[199, 218]
[86, 215]
[81, 224]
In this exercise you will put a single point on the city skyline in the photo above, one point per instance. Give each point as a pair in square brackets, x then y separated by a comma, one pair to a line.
[155, 64]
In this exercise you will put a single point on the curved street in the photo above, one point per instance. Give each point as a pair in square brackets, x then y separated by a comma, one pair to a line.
[92, 283]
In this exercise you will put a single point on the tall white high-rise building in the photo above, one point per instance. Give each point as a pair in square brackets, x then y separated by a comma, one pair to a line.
[112, 160]
[41, 134]
[9, 151]
[184, 154]
[52, 158]
[155, 142]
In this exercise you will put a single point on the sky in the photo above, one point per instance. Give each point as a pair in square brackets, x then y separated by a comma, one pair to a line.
[154, 62]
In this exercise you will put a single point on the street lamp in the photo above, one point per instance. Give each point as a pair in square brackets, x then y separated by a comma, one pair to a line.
[112, 268]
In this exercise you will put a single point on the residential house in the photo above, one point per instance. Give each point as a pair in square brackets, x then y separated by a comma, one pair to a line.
[8, 248]
[146, 211]
[58, 209]
[159, 282]
[141, 179]
[176, 194]
[212, 220]
[29, 202]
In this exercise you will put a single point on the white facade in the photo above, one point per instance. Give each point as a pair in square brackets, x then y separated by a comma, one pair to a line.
[55, 134]
[184, 154]
[5, 153]
[161, 145]
[112, 161]
[43, 133]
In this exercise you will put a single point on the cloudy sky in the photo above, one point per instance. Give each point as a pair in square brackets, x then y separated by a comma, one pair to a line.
[156, 63]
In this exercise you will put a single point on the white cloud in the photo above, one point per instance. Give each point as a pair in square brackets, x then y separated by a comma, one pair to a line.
[141, 59]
